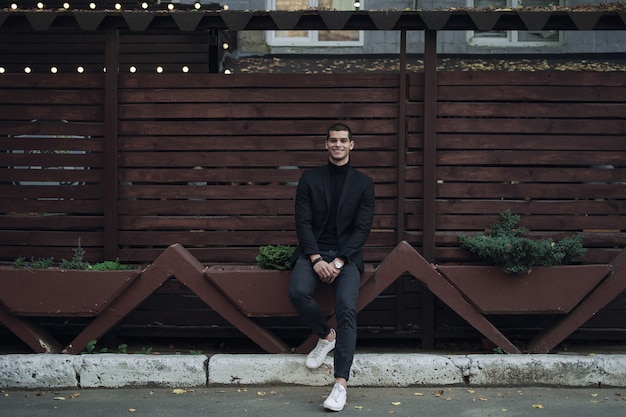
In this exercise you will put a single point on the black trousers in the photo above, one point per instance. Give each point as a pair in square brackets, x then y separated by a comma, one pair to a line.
[303, 283]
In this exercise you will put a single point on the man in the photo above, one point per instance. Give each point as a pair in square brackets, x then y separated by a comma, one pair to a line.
[334, 209]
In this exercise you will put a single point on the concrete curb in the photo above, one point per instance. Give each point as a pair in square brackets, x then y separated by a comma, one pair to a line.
[372, 370]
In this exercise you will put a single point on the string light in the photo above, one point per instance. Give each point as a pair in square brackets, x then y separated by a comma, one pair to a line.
[225, 45]
[13, 6]
[2, 70]
[118, 6]
[227, 71]
[53, 70]
[185, 69]
[144, 5]
[170, 6]
[92, 6]
[40, 5]
[133, 69]
[66, 6]
[159, 69]
[27, 70]
[225, 7]
[197, 6]
[80, 69]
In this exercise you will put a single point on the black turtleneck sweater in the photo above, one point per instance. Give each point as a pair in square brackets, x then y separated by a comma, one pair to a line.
[328, 239]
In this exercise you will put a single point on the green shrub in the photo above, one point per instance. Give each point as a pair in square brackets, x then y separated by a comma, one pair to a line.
[110, 266]
[506, 245]
[41, 263]
[77, 260]
[275, 257]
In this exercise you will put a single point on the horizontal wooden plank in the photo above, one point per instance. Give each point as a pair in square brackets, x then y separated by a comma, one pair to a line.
[534, 223]
[599, 174]
[49, 81]
[526, 110]
[56, 128]
[508, 93]
[53, 206]
[381, 222]
[261, 80]
[61, 143]
[528, 207]
[529, 157]
[560, 191]
[533, 126]
[264, 207]
[540, 78]
[254, 128]
[264, 109]
[52, 191]
[239, 177]
[286, 160]
[35, 221]
[231, 96]
[540, 141]
[55, 96]
[279, 141]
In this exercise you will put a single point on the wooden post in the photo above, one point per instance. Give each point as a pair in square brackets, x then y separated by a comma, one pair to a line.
[110, 144]
[430, 180]
[402, 131]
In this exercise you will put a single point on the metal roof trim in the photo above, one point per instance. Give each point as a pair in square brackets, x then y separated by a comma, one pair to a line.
[235, 20]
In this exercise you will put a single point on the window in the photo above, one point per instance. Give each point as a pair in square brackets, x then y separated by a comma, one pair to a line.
[315, 37]
[514, 37]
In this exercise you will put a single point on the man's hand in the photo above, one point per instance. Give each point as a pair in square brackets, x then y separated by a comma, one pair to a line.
[327, 272]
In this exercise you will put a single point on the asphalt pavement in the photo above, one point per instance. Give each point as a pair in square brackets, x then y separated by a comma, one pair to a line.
[290, 401]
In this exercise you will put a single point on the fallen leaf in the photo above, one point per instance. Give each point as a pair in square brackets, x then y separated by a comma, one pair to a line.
[537, 406]
[261, 393]
[418, 394]
[59, 398]
[358, 407]
[481, 398]
[594, 395]
[75, 395]
[471, 391]
[396, 403]
[438, 393]
[132, 410]
[178, 391]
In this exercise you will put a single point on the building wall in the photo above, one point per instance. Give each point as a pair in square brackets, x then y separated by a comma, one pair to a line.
[450, 42]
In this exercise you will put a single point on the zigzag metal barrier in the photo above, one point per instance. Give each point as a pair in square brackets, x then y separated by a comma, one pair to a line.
[177, 262]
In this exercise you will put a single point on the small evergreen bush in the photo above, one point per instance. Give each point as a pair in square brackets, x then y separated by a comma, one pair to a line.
[275, 257]
[506, 244]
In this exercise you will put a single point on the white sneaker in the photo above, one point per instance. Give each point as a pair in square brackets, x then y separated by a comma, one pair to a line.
[336, 400]
[315, 359]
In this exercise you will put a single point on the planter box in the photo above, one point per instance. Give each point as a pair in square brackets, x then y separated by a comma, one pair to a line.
[57, 292]
[259, 292]
[546, 290]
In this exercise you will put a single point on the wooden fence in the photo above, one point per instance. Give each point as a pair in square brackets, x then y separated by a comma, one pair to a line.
[211, 161]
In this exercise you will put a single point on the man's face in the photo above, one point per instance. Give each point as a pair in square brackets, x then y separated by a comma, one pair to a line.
[339, 146]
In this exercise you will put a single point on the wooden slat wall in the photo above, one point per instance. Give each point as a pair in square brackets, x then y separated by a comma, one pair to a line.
[211, 161]
[539, 145]
[51, 165]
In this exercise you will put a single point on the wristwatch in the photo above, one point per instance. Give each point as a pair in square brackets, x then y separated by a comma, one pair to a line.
[338, 264]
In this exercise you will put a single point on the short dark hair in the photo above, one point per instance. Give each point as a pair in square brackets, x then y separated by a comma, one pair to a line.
[339, 127]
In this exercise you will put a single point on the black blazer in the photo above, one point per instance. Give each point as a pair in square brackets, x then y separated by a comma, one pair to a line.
[354, 213]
